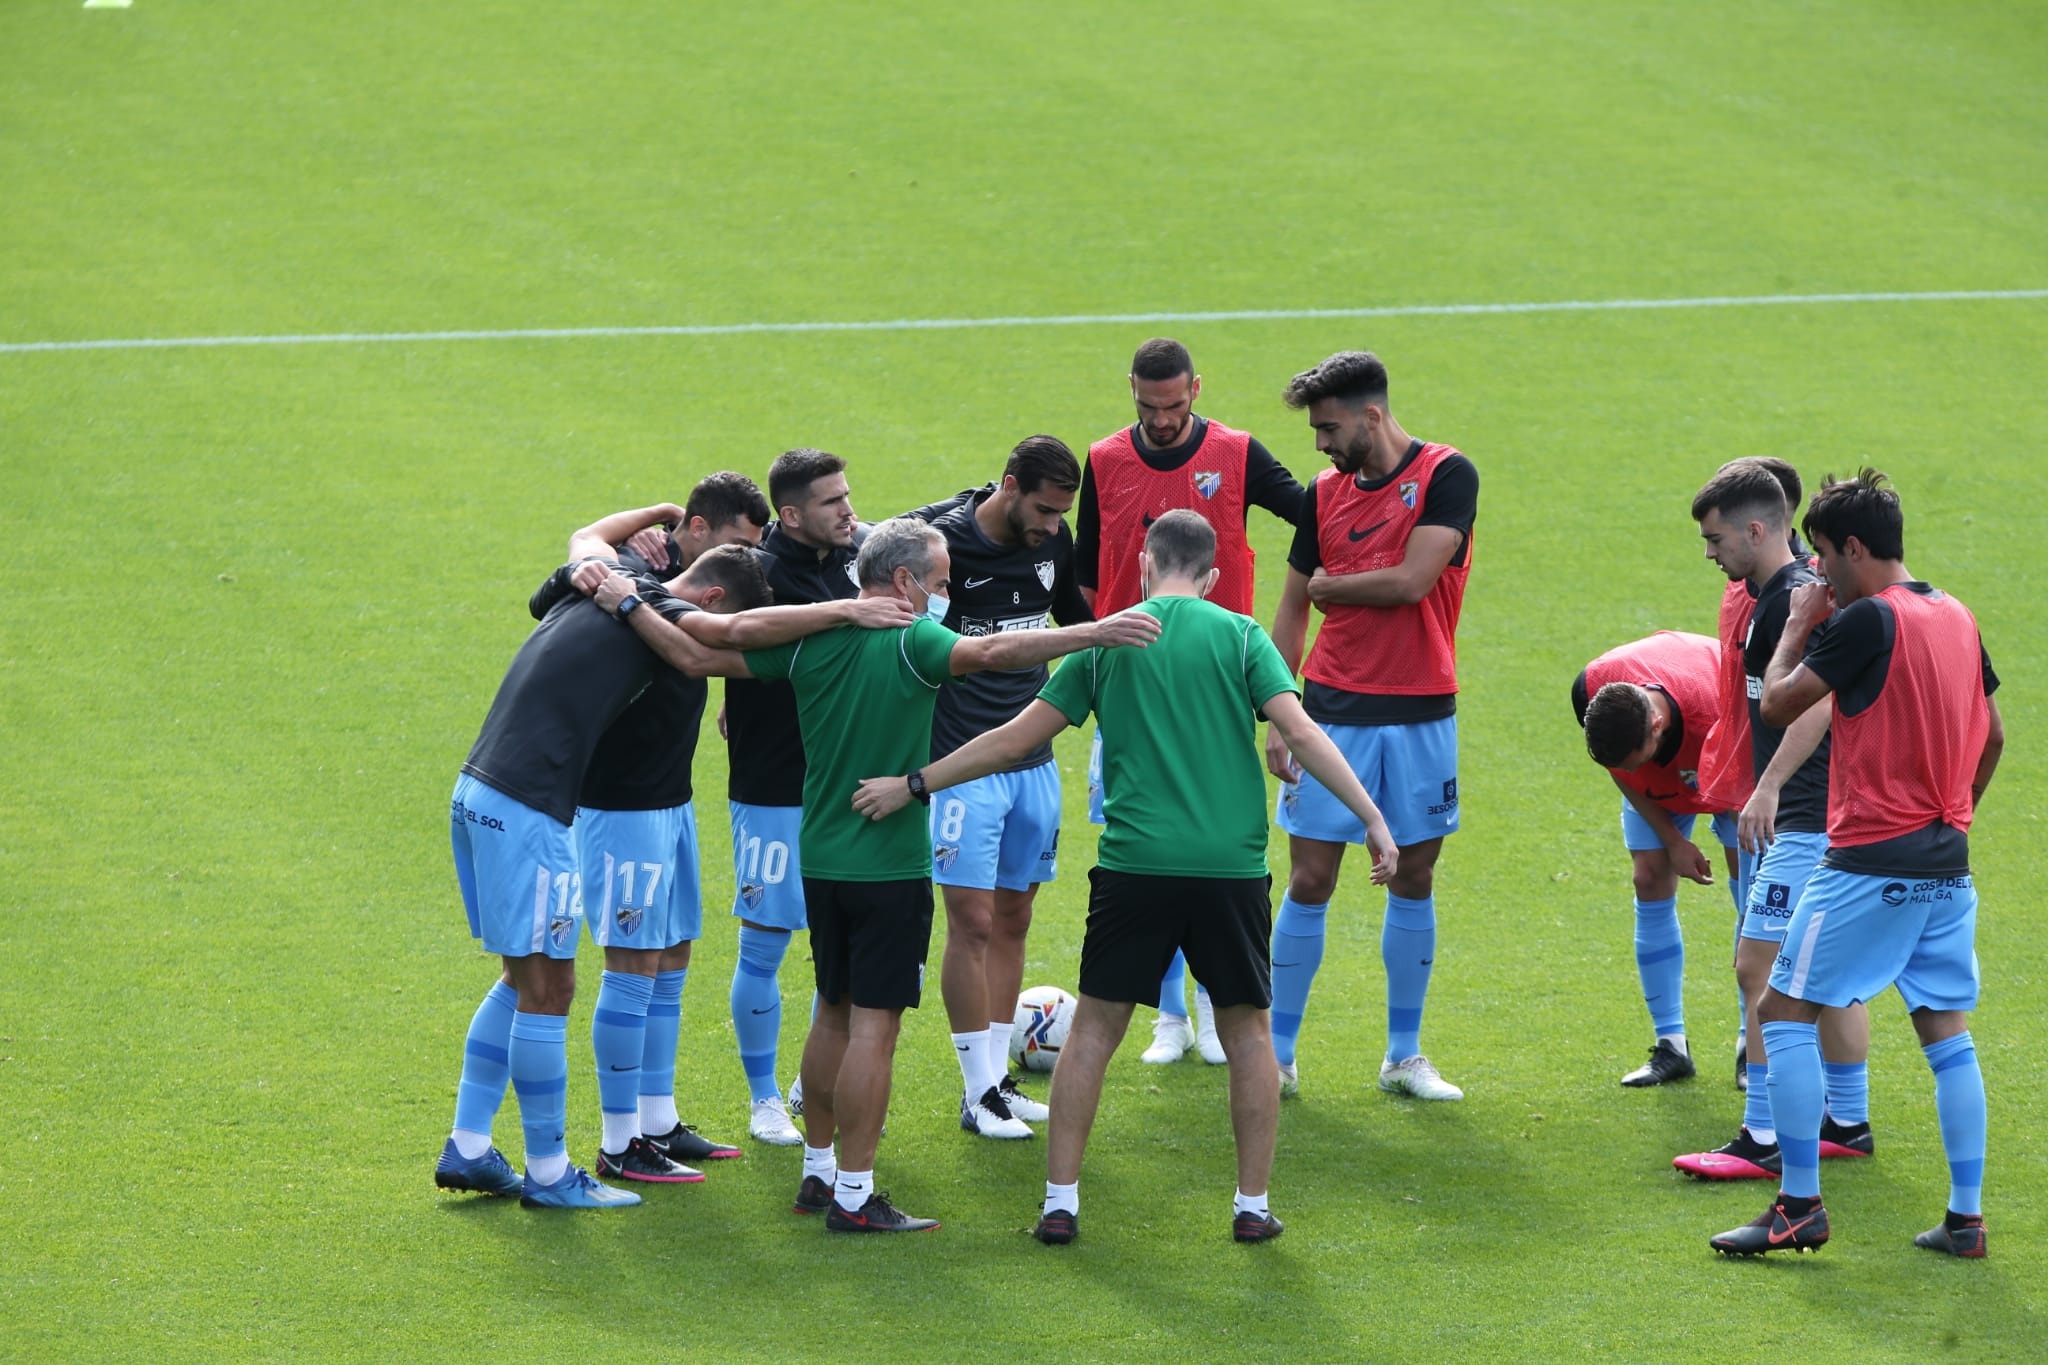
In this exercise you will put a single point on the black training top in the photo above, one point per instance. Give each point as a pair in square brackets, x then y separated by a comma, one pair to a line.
[764, 745]
[1803, 800]
[996, 588]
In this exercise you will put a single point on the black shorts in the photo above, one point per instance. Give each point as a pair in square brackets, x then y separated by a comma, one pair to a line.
[1135, 922]
[869, 940]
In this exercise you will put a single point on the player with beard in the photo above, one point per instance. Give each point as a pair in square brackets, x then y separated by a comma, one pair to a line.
[1171, 458]
[1382, 548]
[996, 838]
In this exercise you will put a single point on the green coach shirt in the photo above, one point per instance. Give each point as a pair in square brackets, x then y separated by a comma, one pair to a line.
[864, 701]
[1183, 774]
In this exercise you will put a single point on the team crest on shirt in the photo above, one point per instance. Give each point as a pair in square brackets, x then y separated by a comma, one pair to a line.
[629, 917]
[944, 856]
[750, 893]
[1044, 567]
[562, 930]
[1690, 777]
[1208, 481]
[853, 572]
[1408, 490]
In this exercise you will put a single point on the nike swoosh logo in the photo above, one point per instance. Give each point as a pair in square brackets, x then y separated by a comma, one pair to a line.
[625, 1068]
[977, 582]
[769, 1010]
[1427, 961]
[1791, 1230]
[1357, 536]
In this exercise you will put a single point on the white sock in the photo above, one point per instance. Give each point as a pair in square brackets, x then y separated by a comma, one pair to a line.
[657, 1116]
[821, 1162]
[471, 1145]
[999, 1049]
[547, 1170]
[852, 1189]
[971, 1051]
[1251, 1203]
[619, 1132]
[1066, 1197]
[1767, 1136]
[1677, 1041]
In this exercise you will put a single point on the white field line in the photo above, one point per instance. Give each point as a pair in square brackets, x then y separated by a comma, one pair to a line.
[1420, 310]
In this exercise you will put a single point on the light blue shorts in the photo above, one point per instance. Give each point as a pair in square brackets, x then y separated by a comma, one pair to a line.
[1409, 771]
[517, 868]
[1854, 934]
[768, 880]
[1638, 837]
[1095, 778]
[1002, 830]
[640, 876]
[1777, 884]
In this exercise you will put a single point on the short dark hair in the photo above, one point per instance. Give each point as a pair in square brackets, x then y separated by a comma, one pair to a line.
[1355, 378]
[725, 497]
[734, 568]
[794, 471]
[1866, 507]
[1617, 723]
[1742, 489]
[1040, 460]
[1786, 475]
[1162, 358]
[1182, 543]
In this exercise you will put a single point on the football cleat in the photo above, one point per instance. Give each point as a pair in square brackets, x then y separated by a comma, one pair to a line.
[641, 1161]
[1666, 1063]
[1255, 1227]
[576, 1190]
[684, 1143]
[1776, 1229]
[1207, 1044]
[796, 1096]
[1743, 1158]
[1959, 1234]
[770, 1123]
[1171, 1039]
[989, 1117]
[1056, 1228]
[1846, 1139]
[1414, 1076]
[1021, 1105]
[813, 1196]
[487, 1174]
[1290, 1080]
[876, 1215]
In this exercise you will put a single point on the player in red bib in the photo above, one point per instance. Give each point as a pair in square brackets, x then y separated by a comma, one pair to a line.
[1914, 740]
[1382, 547]
[1647, 708]
[1170, 459]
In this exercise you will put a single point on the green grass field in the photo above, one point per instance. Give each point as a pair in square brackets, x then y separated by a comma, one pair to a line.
[261, 595]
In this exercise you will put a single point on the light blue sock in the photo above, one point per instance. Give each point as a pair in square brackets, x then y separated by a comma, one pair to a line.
[757, 1007]
[1297, 952]
[540, 1077]
[664, 1023]
[618, 1033]
[1797, 1096]
[1959, 1105]
[1173, 987]
[1848, 1092]
[485, 1065]
[1408, 950]
[1660, 962]
[1756, 1101]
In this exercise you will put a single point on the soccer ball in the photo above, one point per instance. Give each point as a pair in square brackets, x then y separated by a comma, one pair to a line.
[1039, 1031]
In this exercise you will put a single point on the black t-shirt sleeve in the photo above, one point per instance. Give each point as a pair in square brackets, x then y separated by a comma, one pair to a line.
[1453, 499]
[1087, 531]
[1269, 484]
[932, 511]
[1305, 555]
[1069, 608]
[1851, 652]
[553, 590]
[1990, 674]
[1580, 701]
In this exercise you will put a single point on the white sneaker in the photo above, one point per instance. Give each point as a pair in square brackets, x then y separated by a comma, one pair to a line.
[1171, 1039]
[1206, 1041]
[1022, 1105]
[989, 1117]
[796, 1097]
[770, 1124]
[1415, 1076]
[1290, 1081]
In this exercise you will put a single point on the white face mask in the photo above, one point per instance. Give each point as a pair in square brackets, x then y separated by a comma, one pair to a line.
[935, 606]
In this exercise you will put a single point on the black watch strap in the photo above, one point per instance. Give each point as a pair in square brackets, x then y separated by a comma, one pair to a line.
[628, 605]
[918, 789]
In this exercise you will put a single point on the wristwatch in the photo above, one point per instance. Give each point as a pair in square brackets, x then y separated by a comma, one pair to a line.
[627, 605]
[918, 789]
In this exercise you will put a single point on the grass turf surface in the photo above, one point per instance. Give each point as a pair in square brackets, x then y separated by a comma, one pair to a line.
[262, 597]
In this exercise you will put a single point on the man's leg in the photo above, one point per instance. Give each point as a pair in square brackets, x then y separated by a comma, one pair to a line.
[1099, 1025]
[1008, 928]
[469, 1161]
[1298, 929]
[1959, 1105]
[1845, 1050]
[1660, 950]
[768, 901]
[860, 1093]
[1254, 1095]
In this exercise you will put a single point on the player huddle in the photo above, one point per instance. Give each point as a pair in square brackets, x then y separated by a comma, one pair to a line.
[889, 716]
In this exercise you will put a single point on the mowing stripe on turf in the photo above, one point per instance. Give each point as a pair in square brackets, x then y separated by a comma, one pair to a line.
[1418, 310]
